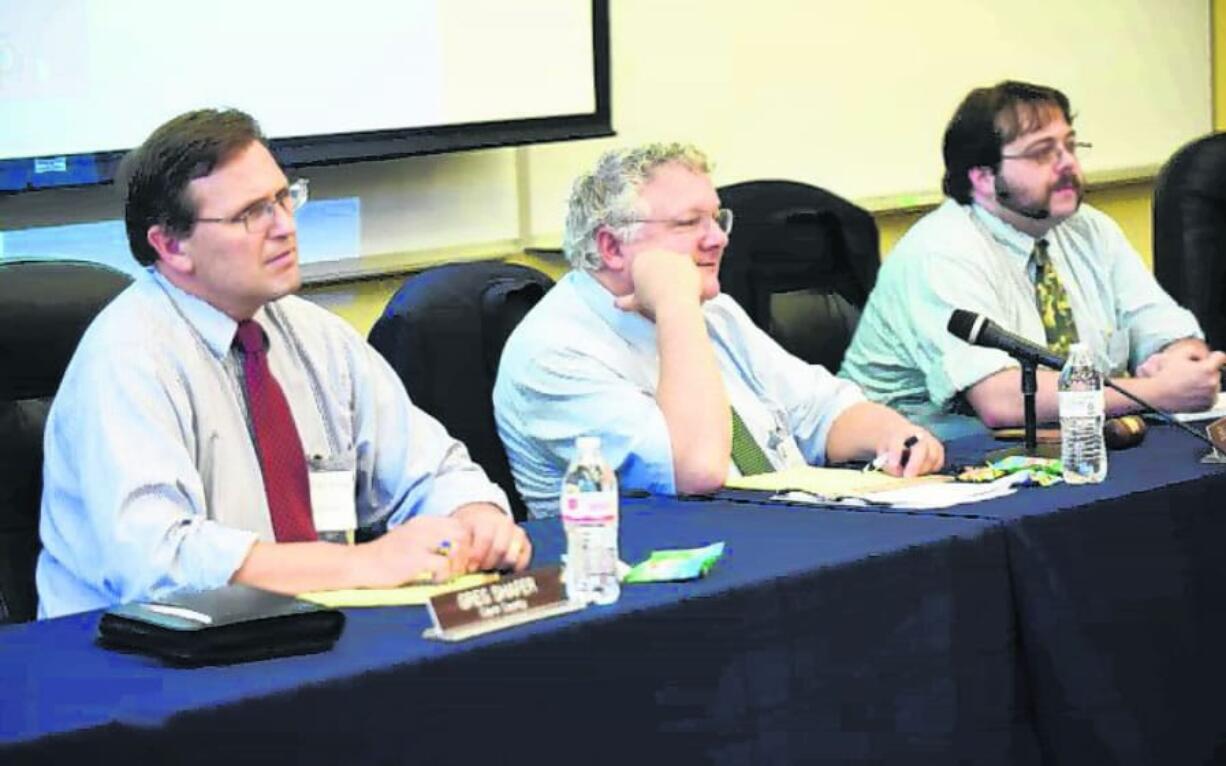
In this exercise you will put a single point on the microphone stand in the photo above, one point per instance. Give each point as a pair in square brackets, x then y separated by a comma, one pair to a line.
[1030, 387]
[1031, 447]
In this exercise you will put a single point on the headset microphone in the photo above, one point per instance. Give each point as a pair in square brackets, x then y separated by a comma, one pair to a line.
[1003, 196]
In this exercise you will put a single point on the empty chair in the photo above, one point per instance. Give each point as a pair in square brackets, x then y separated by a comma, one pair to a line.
[1190, 232]
[44, 309]
[443, 333]
[801, 261]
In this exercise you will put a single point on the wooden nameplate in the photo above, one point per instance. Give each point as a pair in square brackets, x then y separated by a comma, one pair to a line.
[1217, 434]
[514, 600]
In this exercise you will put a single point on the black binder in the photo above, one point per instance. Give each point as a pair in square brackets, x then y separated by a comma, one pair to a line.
[235, 623]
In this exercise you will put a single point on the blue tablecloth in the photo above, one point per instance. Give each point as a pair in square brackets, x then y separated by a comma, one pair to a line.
[1120, 591]
[1071, 624]
[828, 637]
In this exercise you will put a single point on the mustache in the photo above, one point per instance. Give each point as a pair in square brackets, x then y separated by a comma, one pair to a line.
[1068, 181]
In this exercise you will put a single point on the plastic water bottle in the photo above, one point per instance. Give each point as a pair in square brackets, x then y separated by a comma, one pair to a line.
[589, 514]
[1082, 407]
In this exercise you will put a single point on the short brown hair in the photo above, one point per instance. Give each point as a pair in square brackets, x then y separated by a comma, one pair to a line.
[989, 118]
[156, 174]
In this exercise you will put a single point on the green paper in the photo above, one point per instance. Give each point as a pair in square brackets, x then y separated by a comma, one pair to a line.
[676, 565]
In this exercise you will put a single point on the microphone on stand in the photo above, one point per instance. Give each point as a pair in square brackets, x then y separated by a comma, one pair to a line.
[978, 330]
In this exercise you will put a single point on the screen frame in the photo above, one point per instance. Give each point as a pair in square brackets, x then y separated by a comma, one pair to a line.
[25, 174]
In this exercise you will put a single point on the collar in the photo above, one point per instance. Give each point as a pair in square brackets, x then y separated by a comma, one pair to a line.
[631, 325]
[213, 326]
[1014, 241]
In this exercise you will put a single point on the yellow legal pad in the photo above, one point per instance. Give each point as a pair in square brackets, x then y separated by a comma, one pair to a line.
[829, 482]
[405, 595]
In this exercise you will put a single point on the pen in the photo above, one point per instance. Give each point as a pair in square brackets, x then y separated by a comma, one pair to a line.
[879, 462]
[911, 441]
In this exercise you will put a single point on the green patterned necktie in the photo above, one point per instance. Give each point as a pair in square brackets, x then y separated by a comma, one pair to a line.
[746, 454]
[1052, 301]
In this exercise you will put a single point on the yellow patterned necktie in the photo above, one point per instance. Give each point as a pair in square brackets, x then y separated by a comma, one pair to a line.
[747, 455]
[1052, 302]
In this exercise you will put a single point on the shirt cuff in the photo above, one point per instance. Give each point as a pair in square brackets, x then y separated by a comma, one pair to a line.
[1159, 337]
[847, 396]
[213, 553]
[958, 372]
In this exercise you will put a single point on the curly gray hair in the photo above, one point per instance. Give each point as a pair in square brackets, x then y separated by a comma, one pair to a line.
[608, 196]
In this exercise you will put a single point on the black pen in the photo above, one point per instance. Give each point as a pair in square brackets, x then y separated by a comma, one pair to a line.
[911, 441]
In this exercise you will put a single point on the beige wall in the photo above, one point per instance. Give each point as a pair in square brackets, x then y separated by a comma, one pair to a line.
[1129, 204]
[1218, 11]
[748, 91]
[360, 303]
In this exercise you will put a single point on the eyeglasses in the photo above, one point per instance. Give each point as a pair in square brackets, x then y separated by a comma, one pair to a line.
[259, 217]
[1047, 153]
[722, 218]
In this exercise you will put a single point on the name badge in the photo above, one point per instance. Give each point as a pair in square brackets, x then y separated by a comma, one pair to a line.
[333, 486]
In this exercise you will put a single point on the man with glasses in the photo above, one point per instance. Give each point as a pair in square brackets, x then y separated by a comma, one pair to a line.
[213, 428]
[638, 346]
[1015, 244]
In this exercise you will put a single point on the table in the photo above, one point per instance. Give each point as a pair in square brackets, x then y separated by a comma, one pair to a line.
[1121, 596]
[822, 636]
[1120, 592]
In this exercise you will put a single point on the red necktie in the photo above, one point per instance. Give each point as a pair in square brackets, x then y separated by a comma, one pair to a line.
[276, 442]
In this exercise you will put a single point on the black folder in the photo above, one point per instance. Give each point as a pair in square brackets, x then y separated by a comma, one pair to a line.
[235, 623]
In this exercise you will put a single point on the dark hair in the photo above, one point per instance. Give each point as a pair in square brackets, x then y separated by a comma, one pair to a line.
[155, 175]
[986, 120]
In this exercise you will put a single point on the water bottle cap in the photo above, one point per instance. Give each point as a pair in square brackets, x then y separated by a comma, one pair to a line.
[587, 443]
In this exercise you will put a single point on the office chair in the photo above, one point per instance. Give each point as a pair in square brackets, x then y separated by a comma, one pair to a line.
[801, 261]
[1190, 232]
[45, 307]
[443, 333]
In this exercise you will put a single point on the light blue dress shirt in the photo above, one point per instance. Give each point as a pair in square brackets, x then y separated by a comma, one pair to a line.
[578, 365]
[151, 480]
[963, 257]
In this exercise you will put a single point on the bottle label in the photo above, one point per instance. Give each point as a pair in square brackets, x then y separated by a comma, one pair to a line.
[1081, 404]
[589, 507]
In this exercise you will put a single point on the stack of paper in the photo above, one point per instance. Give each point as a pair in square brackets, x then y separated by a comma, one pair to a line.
[926, 496]
[842, 486]
[1218, 411]
[406, 595]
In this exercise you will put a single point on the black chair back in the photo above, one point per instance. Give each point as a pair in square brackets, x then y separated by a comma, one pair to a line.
[801, 261]
[1190, 232]
[443, 333]
[45, 307]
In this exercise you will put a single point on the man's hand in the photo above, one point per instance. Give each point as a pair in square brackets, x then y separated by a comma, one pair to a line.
[1186, 383]
[423, 549]
[866, 430]
[1191, 349]
[661, 278]
[910, 451]
[496, 541]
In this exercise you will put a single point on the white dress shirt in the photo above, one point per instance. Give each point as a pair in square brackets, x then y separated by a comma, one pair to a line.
[151, 480]
[578, 365]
